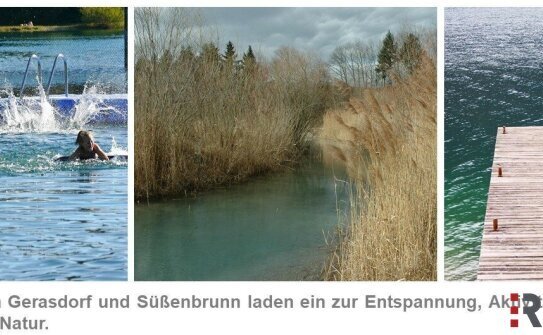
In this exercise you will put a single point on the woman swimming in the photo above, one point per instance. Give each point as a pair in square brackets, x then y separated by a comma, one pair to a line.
[87, 149]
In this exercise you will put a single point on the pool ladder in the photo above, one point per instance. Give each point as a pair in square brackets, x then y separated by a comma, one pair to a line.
[40, 76]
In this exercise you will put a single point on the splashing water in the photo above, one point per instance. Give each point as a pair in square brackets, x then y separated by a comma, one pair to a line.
[27, 114]
[37, 114]
[36, 130]
[47, 120]
[87, 108]
[31, 153]
[117, 149]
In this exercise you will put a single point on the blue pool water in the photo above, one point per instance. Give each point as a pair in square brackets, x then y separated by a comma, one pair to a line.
[94, 57]
[62, 221]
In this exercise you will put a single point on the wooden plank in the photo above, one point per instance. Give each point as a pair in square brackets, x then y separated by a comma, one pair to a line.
[515, 251]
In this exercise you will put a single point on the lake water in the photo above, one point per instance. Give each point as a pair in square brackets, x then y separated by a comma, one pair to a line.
[94, 58]
[493, 71]
[270, 228]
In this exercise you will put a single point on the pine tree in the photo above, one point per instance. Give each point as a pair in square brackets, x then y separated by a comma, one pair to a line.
[229, 58]
[230, 53]
[249, 60]
[249, 56]
[387, 56]
[411, 52]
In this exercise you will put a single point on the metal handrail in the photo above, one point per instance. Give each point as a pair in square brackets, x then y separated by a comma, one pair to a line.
[34, 56]
[65, 75]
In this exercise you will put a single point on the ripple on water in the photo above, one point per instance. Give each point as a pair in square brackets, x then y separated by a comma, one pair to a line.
[492, 70]
[61, 221]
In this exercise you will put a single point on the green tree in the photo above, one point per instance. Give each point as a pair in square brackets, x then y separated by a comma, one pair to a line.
[229, 58]
[108, 16]
[411, 52]
[230, 53]
[387, 56]
[249, 56]
[249, 60]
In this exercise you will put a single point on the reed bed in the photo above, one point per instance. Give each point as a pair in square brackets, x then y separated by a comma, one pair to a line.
[388, 138]
[202, 121]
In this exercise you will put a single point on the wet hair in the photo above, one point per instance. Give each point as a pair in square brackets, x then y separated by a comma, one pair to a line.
[81, 134]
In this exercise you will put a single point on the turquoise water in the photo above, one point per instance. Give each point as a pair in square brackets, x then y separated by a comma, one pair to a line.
[94, 58]
[62, 221]
[493, 71]
[270, 228]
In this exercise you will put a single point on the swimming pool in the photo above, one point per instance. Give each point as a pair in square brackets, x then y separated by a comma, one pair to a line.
[61, 111]
[95, 57]
[62, 221]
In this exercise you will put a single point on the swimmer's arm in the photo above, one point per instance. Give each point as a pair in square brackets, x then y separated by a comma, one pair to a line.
[74, 156]
[100, 152]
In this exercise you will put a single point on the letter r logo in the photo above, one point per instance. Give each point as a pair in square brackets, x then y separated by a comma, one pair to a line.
[531, 308]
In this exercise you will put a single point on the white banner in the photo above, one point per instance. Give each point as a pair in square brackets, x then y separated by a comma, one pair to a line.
[267, 308]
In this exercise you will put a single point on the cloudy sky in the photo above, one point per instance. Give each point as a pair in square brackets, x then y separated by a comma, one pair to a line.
[317, 29]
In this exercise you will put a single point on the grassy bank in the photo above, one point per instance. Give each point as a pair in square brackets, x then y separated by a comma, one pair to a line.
[390, 135]
[203, 120]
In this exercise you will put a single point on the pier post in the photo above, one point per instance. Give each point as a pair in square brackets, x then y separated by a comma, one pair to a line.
[495, 225]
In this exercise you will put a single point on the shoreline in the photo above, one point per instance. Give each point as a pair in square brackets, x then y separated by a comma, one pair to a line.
[198, 192]
[71, 27]
[304, 154]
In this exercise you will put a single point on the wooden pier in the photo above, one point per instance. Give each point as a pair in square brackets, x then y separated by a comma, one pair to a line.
[512, 245]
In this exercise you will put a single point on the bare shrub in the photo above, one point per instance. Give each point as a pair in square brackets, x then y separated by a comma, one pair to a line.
[202, 122]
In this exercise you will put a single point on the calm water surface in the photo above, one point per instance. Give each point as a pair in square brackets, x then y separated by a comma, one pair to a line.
[493, 77]
[270, 228]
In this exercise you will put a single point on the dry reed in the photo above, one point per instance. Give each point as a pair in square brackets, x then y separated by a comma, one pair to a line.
[202, 121]
[390, 134]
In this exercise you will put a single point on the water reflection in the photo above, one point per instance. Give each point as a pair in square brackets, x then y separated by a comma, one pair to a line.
[271, 228]
[85, 177]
